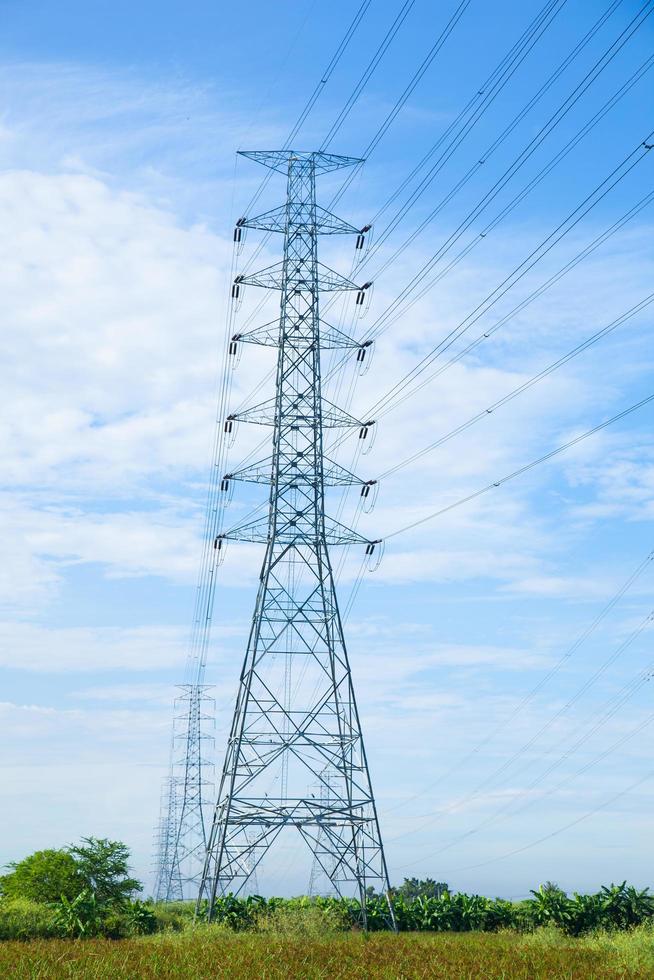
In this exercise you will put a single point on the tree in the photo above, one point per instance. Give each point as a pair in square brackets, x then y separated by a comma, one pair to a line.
[104, 870]
[44, 876]
[551, 888]
[412, 888]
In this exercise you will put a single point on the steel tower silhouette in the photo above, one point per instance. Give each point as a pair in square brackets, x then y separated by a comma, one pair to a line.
[296, 717]
[182, 838]
[168, 884]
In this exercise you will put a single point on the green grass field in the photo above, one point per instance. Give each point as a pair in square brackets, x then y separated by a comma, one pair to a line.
[214, 952]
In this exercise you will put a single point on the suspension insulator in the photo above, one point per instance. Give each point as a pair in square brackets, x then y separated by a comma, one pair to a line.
[361, 353]
[238, 230]
[375, 553]
[224, 484]
[361, 295]
[369, 493]
[367, 434]
[220, 547]
[229, 423]
[236, 287]
[361, 238]
[233, 344]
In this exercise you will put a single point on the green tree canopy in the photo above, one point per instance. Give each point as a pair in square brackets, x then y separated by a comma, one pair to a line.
[43, 877]
[103, 866]
[420, 888]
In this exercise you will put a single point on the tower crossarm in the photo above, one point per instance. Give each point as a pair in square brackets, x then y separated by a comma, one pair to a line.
[317, 161]
[275, 277]
[334, 475]
[276, 220]
[295, 413]
[293, 531]
[267, 335]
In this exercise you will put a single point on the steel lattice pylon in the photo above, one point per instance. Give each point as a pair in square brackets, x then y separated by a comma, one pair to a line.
[296, 716]
[182, 835]
[168, 885]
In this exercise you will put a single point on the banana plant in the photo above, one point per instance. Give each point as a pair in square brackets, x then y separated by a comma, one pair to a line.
[79, 917]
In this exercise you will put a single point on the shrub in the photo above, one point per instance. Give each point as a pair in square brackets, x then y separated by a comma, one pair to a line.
[173, 916]
[22, 919]
[302, 917]
[134, 919]
[239, 914]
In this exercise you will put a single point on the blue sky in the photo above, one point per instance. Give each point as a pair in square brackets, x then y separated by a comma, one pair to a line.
[118, 190]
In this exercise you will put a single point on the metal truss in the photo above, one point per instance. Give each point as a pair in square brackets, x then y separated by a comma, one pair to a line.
[296, 725]
[182, 832]
[168, 884]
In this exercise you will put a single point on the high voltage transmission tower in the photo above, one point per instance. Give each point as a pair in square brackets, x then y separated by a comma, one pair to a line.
[296, 725]
[168, 884]
[181, 835]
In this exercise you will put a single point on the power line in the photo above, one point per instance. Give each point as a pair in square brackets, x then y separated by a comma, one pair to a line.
[484, 155]
[614, 706]
[400, 390]
[554, 120]
[560, 830]
[564, 228]
[554, 670]
[484, 95]
[462, 126]
[344, 112]
[535, 294]
[499, 78]
[560, 362]
[523, 469]
[519, 51]
[599, 240]
[527, 385]
[595, 119]
[368, 72]
[582, 770]
[518, 199]
[403, 98]
[537, 179]
[319, 87]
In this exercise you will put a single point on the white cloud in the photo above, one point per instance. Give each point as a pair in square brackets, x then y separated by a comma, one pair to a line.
[81, 649]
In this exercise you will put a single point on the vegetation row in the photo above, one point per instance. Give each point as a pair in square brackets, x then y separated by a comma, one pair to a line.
[86, 891]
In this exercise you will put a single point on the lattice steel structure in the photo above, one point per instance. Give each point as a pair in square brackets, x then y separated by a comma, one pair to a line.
[182, 836]
[168, 883]
[296, 715]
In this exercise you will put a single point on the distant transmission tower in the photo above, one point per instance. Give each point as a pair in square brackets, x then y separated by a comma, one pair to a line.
[182, 834]
[168, 884]
[296, 715]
